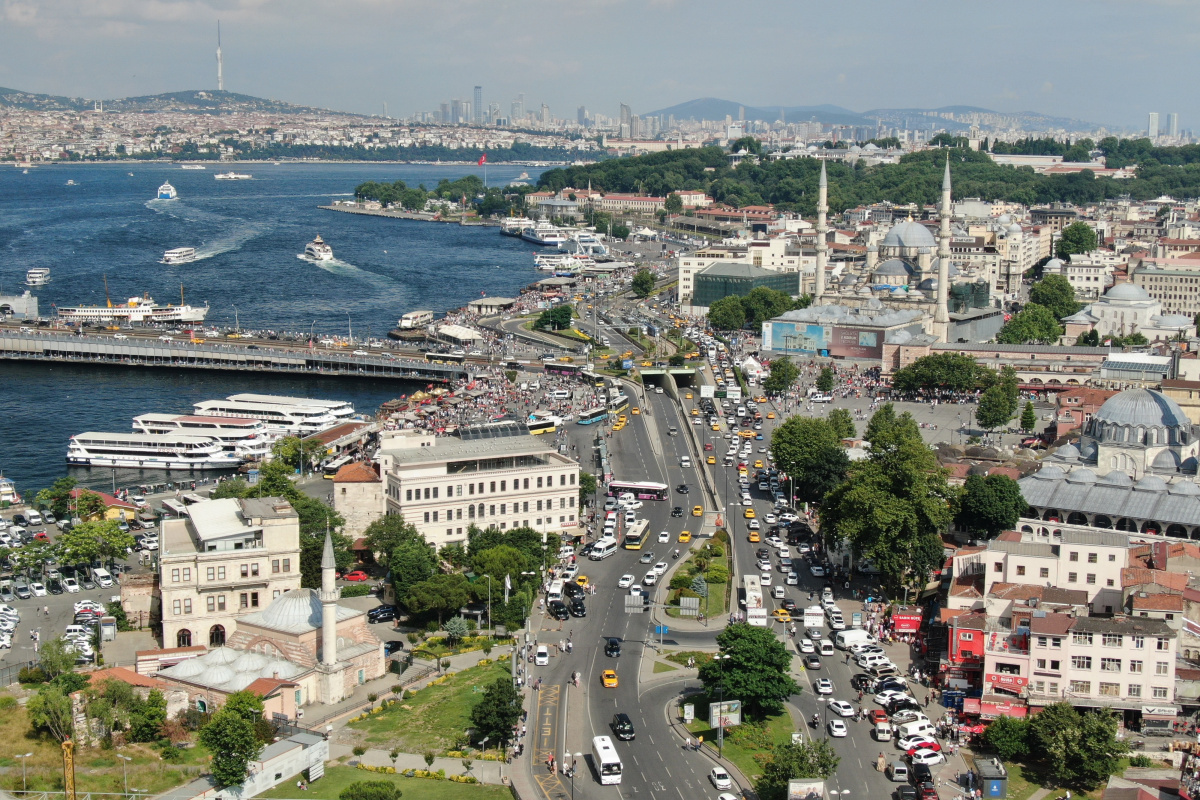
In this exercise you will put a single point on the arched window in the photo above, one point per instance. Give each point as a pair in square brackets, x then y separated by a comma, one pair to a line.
[216, 636]
[183, 638]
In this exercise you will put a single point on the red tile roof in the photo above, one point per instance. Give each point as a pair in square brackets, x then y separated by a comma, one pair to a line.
[126, 675]
[265, 687]
[109, 500]
[1133, 576]
[1157, 602]
[358, 472]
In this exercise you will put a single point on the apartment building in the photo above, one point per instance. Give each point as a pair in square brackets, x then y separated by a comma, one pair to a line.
[1174, 282]
[226, 558]
[494, 475]
[774, 254]
[1090, 274]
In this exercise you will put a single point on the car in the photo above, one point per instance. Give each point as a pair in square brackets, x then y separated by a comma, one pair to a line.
[749, 513]
[887, 696]
[928, 791]
[837, 729]
[608, 679]
[356, 575]
[926, 756]
[625, 581]
[720, 778]
[877, 716]
[908, 715]
[907, 792]
[764, 565]
[927, 744]
[841, 708]
[677, 511]
[54, 586]
[570, 572]
[558, 609]
[573, 589]
[120, 336]
[814, 634]
[697, 511]
[754, 525]
[646, 558]
[622, 726]
[165, 338]
[664, 537]
[581, 580]
[650, 578]
[660, 568]
[683, 488]
[71, 585]
[765, 579]
[782, 615]
[823, 686]
[812, 662]
[685, 537]
[816, 570]
[37, 589]
[381, 614]
[541, 658]
[612, 647]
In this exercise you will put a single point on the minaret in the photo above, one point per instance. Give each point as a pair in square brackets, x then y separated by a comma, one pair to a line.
[329, 598]
[220, 64]
[822, 232]
[941, 317]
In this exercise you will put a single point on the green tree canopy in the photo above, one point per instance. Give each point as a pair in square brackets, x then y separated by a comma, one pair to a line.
[233, 744]
[50, 710]
[496, 712]
[643, 283]
[727, 314]
[949, 372]
[783, 374]
[302, 454]
[556, 319]
[1078, 237]
[439, 595]
[754, 669]
[1056, 293]
[842, 423]
[504, 560]
[1034, 324]
[246, 705]
[413, 561]
[387, 533]
[58, 497]
[990, 504]
[825, 380]
[1028, 417]
[762, 304]
[810, 451]
[814, 758]
[1076, 748]
[994, 409]
[587, 487]
[1009, 737]
[673, 204]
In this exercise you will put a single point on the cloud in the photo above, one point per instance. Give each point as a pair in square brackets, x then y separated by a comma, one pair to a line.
[1047, 87]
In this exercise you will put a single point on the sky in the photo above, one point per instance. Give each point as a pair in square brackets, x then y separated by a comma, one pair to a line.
[1104, 61]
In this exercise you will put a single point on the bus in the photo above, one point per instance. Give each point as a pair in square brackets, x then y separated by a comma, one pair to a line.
[174, 508]
[540, 426]
[756, 610]
[642, 490]
[445, 358]
[566, 370]
[331, 469]
[592, 416]
[606, 760]
[636, 534]
[415, 319]
[594, 379]
[618, 405]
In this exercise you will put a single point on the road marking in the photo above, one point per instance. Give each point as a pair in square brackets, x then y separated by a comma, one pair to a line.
[549, 698]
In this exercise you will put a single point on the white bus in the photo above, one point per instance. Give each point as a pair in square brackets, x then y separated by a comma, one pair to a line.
[756, 611]
[607, 762]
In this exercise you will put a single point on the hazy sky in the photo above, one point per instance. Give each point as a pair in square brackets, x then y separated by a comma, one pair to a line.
[1104, 61]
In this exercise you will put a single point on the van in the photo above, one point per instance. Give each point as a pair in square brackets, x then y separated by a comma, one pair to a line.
[102, 577]
[603, 549]
[561, 394]
[882, 732]
[35, 517]
[685, 462]
[886, 670]
[898, 772]
[554, 593]
[844, 639]
[826, 647]
[921, 727]
[566, 551]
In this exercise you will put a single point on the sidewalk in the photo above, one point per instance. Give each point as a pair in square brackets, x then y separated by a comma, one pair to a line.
[483, 771]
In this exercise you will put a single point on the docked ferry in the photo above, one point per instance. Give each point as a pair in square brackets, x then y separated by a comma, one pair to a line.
[289, 416]
[167, 192]
[38, 276]
[138, 311]
[149, 451]
[192, 166]
[318, 250]
[543, 233]
[232, 176]
[247, 438]
[179, 255]
[513, 226]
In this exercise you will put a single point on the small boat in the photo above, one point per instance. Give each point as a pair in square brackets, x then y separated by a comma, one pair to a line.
[318, 250]
[179, 255]
[38, 276]
[70, 182]
[167, 192]
[232, 176]
[192, 166]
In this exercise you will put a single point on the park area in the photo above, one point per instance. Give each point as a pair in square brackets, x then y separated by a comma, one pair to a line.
[337, 779]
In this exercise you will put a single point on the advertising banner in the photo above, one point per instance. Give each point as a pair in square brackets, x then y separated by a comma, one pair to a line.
[1006, 681]
[725, 714]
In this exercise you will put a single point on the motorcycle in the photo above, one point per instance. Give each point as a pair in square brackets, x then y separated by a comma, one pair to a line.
[815, 721]
[675, 555]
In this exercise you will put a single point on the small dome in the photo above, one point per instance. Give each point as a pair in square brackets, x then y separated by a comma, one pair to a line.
[909, 234]
[1082, 475]
[871, 248]
[864, 289]
[899, 291]
[248, 662]
[1116, 478]
[928, 285]
[1189, 465]
[1004, 219]
[187, 669]
[848, 280]
[1049, 474]
[1087, 451]
[1186, 488]
[1053, 265]
[293, 611]
[1015, 230]
[894, 266]
[1143, 407]
[1173, 321]
[1126, 291]
[1068, 452]
[217, 674]
[222, 655]
[1166, 460]
[1150, 483]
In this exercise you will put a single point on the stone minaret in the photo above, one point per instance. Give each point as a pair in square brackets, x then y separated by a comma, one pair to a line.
[329, 598]
[941, 317]
[822, 232]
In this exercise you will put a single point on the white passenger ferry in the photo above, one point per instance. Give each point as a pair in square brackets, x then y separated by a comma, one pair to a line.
[149, 451]
[338, 408]
[179, 255]
[167, 192]
[38, 276]
[232, 176]
[247, 438]
[318, 250]
[286, 418]
[138, 311]
[544, 233]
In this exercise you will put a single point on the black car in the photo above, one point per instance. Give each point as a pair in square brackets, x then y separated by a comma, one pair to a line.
[572, 589]
[54, 587]
[905, 792]
[612, 648]
[682, 488]
[863, 682]
[902, 704]
[677, 511]
[763, 552]
[920, 773]
[788, 604]
[381, 614]
[812, 662]
[19, 520]
[577, 608]
[587, 548]
[622, 726]
[558, 610]
[394, 646]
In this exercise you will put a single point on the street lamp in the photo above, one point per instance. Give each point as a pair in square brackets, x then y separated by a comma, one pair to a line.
[721, 711]
[24, 787]
[489, 577]
[124, 774]
[824, 716]
[578, 756]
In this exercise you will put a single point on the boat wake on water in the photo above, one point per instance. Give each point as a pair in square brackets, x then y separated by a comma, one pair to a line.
[335, 266]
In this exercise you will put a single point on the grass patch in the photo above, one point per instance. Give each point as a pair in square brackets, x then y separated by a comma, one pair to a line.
[1025, 779]
[659, 666]
[338, 778]
[433, 718]
[749, 745]
[681, 657]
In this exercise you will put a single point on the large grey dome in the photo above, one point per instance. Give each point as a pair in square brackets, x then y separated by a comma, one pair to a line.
[894, 266]
[1126, 291]
[294, 610]
[909, 234]
[1142, 407]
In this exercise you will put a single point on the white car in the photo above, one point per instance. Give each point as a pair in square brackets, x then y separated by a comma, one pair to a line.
[769, 518]
[92, 605]
[765, 579]
[38, 589]
[793, 579]
[927, 757]
[625, 581]
[664, 537]
[920, 741]
[841, 708]
[764, 565]
[783, 551]
[774, 541]
[888, 695]
[720, 778]
[823, 686]
[788, 517]
[542, 657]
[361, 353]
[71, 585]
[120, 336]
[747, 501]
[650, 578]
[753, 525]
[807, 647]
[837, 729]
[817, 571]
[165, 339]
[660, 568]
[630, 505]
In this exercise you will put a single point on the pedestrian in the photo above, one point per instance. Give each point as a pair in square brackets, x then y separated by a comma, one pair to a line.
[688, 743]
[699, 742]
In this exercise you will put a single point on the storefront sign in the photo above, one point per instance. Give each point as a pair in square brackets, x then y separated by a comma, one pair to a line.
[906, 621]
[1160, 711]
[990, 709]
[970, 705]
[1006, 681]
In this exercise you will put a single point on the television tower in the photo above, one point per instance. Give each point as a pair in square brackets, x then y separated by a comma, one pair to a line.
[220, 64]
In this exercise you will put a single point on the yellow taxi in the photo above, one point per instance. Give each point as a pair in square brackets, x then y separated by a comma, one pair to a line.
[742, 472]
[695, 412]
[758, 464]
[609, 678]
[748, 513]
[754, 537]
[716, 427]
[620, 426]
[746, 434]
[770, 415]
[694, 354]
[711, 459]
[782, 615]
[636, 411]
[760, 399]
[697, 511]
[688, 396]
[622, 419]
[582, 580]
[627, 354]
[566, 359]
[647, 363]
[685, 537]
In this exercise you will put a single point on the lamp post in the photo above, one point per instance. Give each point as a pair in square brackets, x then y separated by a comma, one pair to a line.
[824, 716]
[489, 577]
[124, 774]
[311, 328]
[721, 711]
[567, 756]
[24, 787]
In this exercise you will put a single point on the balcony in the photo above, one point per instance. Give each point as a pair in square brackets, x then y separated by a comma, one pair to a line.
[1001, 643]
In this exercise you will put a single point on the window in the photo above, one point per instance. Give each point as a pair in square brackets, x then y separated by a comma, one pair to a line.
[1073, 557]
[220, 573]
[470, 488]
[220, 602]
[174, 576]
[427, 516]
[287, 565]
[1135, 666]
[493, 485]
[177, 607]
[539, 483]
[539, 505]
[212, 603]
[216, 636]
[274, 566]
[1134, 690]
[244, 600]
[1091, 579]
[1139, 642]
[1044, 572]
[1112, 557]
[408, 494]
[1081, 638]
[187, 573]
[1110, 689]
[426, 492]
[1052, 688]
[1055, 665]
[1042, 641]
[1160, 667]
[1160, 692]
[1041, 663]
[435, 493]
[1081, 662]
[998, 566]
[1112, 640]
[1093, 558]
[1109, 583]
[1164, 643]
[1072, 577]
[1020, 569]
[1110, 665]
[503, 486]
[1080, 687]
[1037, 687]
[183, 638]
[966, 636]
[212, 573]
[245, 570]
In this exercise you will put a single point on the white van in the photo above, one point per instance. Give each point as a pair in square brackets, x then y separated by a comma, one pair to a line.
[35, 517]
[603, 549]
[826, 647]
[102, 577]
[555, 592]
[846, 639]
[919, 728]
[561, 394]
[685, 462]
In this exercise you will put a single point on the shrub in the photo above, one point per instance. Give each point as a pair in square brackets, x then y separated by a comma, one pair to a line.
[371, 790]
[680, 580]
[358, 590]
[397, 689]
[359, 750]
[1140, 761]
[31, 675]
[372, 697]
[7, 701]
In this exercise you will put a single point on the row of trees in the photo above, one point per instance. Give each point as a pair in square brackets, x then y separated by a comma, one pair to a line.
[484, 200]
[759, 305]
[1072, 748]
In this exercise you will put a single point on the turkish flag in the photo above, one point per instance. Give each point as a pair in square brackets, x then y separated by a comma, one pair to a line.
[483, 159]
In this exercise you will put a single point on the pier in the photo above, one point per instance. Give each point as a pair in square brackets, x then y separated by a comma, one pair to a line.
[415, 216]
[41, 347]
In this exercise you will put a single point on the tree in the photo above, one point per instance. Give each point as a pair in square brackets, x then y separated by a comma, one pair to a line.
[233, 744]
[727, 314]
[371, 790]
[753, 669]
[783, 374]
[58, 497]
[50, 710]
[1077, 237]
[387, 533]
[1009, 737]
[747, 143]
[1033, 325]
[88, 505]
[148, 717]
[825, 380]
[114, 542]
[1076, 749]
[949, 372]
[762, 304]
[246, 705]
[412, 562]
[643, 283]
[1028, 417]
[990, 504]
[805, 759]
[587, 487]
[556, 319]
[993, 410]
[55, 658]
[496, 712]
[456, 630]
[810, 451]
[1056, 293]
[299, 453]
[842, 423]
[439, 594]
[673, 204]
[503, 560]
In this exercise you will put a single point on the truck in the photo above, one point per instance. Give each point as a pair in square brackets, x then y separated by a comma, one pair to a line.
[814, 617]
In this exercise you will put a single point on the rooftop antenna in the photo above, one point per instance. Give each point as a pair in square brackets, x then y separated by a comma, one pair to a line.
[220, 63]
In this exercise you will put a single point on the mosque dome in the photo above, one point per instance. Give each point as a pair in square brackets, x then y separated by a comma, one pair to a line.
[1004, 219]
[1082, 475]
[1053, 265]
[1144, 407]
[928, 285]
[1049, 474]
[218, 674]
[894, 266]
[1015, 230]
[909, 234]
[1187, 488]
[1116, 478]
[1068, 452]
[1126, 291]
[250, 661]
[1166, 461]
[864, 289]
[295, 610]
[222, 655]
[188, 669]
[1150, 483]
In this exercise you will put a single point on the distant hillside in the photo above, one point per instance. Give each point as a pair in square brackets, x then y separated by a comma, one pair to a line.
[195, 101]
[717, 109]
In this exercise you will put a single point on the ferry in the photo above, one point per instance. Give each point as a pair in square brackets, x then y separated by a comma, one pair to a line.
[149, 451]
[543, 233]
[584, 242]
[513, 226]
[291, 417]
[167, 192]
[247, 438]
[415, 319]
[192, 166]
[180, 255]
[317, 250]
[139, 311]
[338, 408]
[232, 176]
[552, 262]
[38, 276]
[71, 182]
[8, 491]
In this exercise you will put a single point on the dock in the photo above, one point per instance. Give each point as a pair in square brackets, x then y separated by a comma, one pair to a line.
[42, 347]
[414, 216]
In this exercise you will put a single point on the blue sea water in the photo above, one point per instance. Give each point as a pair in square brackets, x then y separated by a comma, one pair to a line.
[247, 235]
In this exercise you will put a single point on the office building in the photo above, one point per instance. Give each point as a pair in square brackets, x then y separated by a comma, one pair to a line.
[1173, 125]
[1152, 126]
[478, 107]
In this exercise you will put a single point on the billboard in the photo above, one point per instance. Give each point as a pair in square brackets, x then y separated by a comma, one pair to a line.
[1005, 681]
[725, 714]
[707, 390]
[824, 340]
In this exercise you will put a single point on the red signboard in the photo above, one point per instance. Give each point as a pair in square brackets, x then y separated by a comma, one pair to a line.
[989, 709]
[906, 621]
[1006, 681]
[970, 705]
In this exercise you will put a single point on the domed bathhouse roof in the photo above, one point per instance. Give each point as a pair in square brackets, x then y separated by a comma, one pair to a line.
[1081, 475]
[909, 234]
[1142, 407]
[1184, 487]
[1068, 452]
[1126, 291]
[1150, 483]
[1116, 478]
